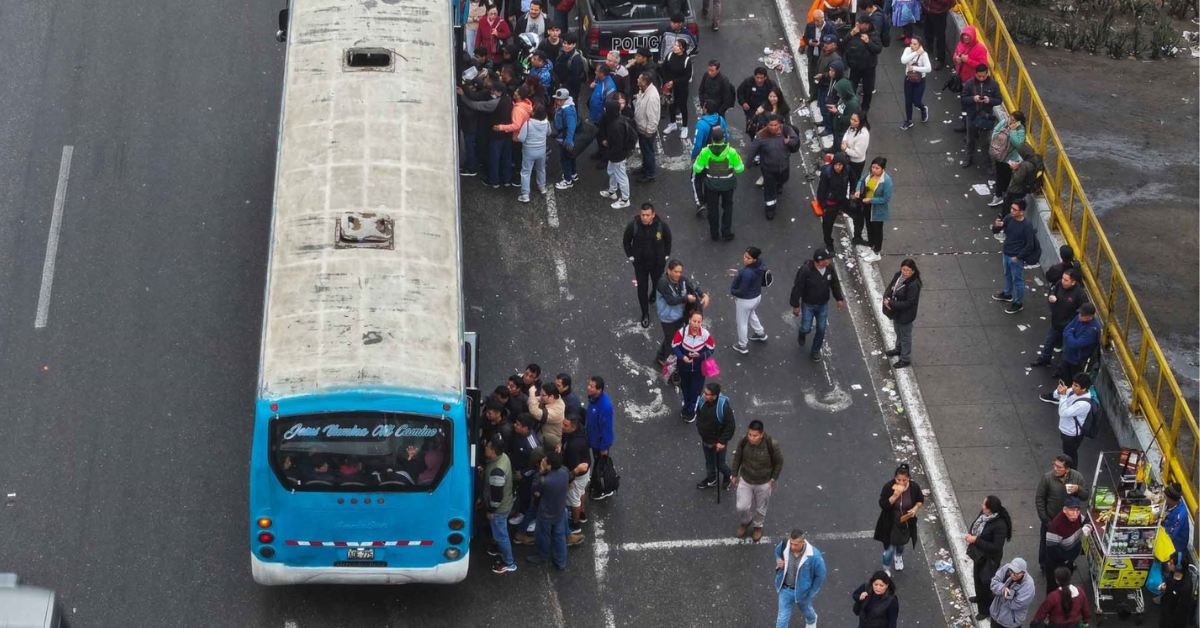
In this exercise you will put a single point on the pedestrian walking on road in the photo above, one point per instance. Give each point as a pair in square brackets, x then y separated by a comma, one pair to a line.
[833, 195]
[916, 68]
[647, 243]
[705, 124]
[647, 111]
[693, 344]
[498, 475]
[1065, 606]
[747, 293]
[815, 281]
[716, 88]
[900, 301]
[677, 298]
[716, 424]
[677, 77]
[1065, 298]
[989, 532]
[550, 534]
[900, 502]
[1064, 539]
[1074, 405]
[720, 164]
[1012, 590]
[799, 573]
[874, 192]
[875, 602]
[752, 93]
[757, 464]
[1020, 241]
[772, 148]
[1059, 483]
[600, 430]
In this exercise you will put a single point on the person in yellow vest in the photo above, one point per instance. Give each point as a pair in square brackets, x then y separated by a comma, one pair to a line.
[720, 163]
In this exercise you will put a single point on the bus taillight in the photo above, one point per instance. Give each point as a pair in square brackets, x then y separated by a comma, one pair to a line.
[457, 524]
[266, 537]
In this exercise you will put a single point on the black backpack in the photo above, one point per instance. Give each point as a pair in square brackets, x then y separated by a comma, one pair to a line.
[606, 479]
[1039, 177]
[1091, 422]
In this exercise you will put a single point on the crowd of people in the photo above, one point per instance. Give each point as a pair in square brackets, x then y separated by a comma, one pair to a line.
[546, 449]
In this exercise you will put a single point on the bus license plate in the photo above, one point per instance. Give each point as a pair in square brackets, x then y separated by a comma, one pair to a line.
[360, 553]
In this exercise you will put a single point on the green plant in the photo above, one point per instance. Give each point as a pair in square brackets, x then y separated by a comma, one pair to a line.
[1163, 38]
[1118, 44]
[1178, 9]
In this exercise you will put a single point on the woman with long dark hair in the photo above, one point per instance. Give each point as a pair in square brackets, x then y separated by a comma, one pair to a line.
[900, 301]
[677, 76]
[875, 602]
[899, 502]
[1065, 606]
[989, 532]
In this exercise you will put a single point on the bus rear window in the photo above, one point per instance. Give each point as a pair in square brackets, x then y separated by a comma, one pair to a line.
[355, 452]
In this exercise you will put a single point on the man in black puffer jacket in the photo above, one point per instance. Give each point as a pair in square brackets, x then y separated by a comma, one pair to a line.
[815, 281]
[716, 424]
[647, 242]
[1066, 297]
[860, 49]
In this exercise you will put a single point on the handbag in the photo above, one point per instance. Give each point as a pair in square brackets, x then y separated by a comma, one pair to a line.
[912, 76]
[901, 534]
[709, 368]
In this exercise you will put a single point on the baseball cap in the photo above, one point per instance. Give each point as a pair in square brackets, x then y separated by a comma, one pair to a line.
[1073, 502]
[562, 94]
[820, 255]
[829, 39]
[1019, 565]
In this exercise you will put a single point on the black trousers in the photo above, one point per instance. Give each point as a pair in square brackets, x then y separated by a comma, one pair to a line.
[669, 330]
[720, 212]
[827, 222]
[1003, 178]
[647, 273]
[812, 72]
[1071, 447]
[983, 570]
[773, 181]
[935, 34]
[679, 103]
[858, 213]
[866, 78]
[874, 232]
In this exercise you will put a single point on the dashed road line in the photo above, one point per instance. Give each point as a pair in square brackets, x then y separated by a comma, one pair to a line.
[60, 199]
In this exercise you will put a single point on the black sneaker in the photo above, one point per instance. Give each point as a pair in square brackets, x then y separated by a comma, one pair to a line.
[646, 322]
[899, 364]
[770, 214]
[925, 114]
[1014, 307]
[700, 209]
[1041, 362]
[816, 357]
[707, 484]
[467, 172]
[493, 551]
[800, 339]
[727, 483]
[892, 353]
[689, 419]
[583, 518]
[759, 337]
[1048, 398]
[1001, 296]
[603, 495]
[727, 237]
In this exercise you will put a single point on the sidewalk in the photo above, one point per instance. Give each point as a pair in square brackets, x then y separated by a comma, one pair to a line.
[971, 359]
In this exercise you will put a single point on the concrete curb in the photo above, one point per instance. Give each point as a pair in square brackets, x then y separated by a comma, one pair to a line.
[906, 381]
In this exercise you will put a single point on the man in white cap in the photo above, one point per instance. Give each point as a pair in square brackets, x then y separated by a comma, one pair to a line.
[1014, 591]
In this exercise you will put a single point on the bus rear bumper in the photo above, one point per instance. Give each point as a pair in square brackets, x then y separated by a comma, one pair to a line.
[280, 574]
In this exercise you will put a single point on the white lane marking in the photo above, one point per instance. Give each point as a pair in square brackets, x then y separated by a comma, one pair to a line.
[640, 413]
[551, 208]
[556, 610]
[775, 407]
[291, 623]
[732, 541]
[560, 270]
[60, 199]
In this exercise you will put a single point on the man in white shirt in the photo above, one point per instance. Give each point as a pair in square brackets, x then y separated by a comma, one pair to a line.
[1073, 407]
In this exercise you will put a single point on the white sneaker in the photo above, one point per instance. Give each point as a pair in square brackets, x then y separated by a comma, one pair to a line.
[671, 128]
[996, 201]
[871, 257]
[683, 133]
[899, 562]
[530, 528]
[524, 198]
[609, 194]
[564, 184]
[515, 520]
[742, 349]
[620, 203]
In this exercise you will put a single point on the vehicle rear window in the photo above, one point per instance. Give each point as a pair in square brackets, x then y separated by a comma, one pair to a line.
[354, 452]
[625, 10]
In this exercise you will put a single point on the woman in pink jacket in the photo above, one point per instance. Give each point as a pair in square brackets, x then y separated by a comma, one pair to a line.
[969, 53]
[491, 33]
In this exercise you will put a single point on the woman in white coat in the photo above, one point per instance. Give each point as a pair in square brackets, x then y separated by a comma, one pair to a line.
[916, 68]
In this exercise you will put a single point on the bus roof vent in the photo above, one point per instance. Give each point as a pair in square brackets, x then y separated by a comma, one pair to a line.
[365, 230]
[368, 59]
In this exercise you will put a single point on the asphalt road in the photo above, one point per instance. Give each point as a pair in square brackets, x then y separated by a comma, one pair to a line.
[125, 435]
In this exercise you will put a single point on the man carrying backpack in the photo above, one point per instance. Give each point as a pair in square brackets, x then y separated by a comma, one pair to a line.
[620, 137]
[757, 464]
[1074, 405]
[1026, 177]
[715, 422]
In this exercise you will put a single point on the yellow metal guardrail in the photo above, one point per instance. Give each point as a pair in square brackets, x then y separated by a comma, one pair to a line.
[1156, 394]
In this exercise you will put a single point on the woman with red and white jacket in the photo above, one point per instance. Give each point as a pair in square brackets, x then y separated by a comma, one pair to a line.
[693, 344]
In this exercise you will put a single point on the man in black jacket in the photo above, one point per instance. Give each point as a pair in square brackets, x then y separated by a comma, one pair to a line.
[569, 66]
[1066, 297]
[815, 281]
[647, 242]
[979, 94]
[716, 424]
[814, 31]
[716, 88]
[860, 49]
[752, 92]
[773, 146]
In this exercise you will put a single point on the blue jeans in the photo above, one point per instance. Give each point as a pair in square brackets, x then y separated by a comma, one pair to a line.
[691, 384]
[469, 140]
[1053, 339]
[891, 551]
[533, 161]
[567, 162]
[647, 146]
[550, 537]
[1014, 279]
[499, 525]
[807, 314]
[500, 162]
[788, 599]
[914, 95]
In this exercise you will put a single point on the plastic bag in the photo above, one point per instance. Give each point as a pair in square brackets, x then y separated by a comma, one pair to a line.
[668, 368]
[709, 368]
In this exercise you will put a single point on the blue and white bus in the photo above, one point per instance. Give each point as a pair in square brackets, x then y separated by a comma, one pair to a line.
[361, 470]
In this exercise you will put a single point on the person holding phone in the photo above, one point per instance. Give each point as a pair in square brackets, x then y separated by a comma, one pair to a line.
[899, 502]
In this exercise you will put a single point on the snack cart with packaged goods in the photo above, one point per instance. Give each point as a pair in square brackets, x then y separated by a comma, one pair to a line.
[1120, 548]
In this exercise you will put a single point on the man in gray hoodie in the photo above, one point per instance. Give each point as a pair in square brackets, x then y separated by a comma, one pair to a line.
[773, 146]
[1014, 591]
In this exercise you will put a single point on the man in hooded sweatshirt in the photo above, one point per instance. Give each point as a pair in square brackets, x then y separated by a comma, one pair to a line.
[861, 48]
[833, 194]
[566, 120]
[705, 124]
[1024, 175]
[846, 103]
[620, 137]
[820, 76]
[1066, 297]
[720, 164]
